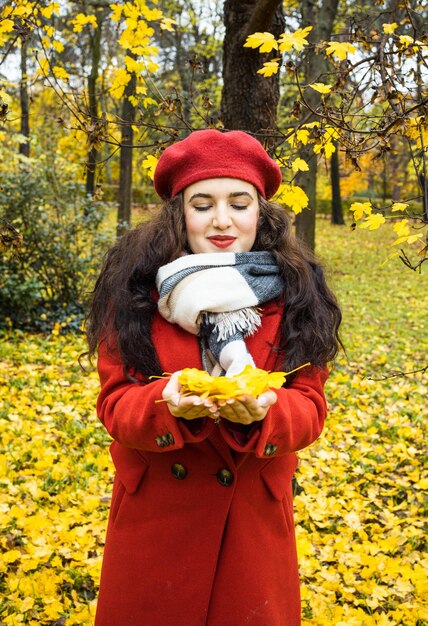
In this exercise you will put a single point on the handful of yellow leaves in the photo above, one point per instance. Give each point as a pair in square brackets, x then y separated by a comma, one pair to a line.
[251, 381]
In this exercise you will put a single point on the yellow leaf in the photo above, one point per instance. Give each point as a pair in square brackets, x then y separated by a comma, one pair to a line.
[148, 101]
[121, 79]
[117, 12]
[389, 29]
[302, 135]
[340, 49]
[405, 41]
[81, 20]
[299, 165]
[373, 221]
[47, 12]
[402, 228]
[59, 47]
[399, 206]
[60, 73]
[296, 40]
[265, 41]
[43, 67]
[293, 196]
[168, 24]
[152, 66]
[321, 87]
[360, 208]
[149, 164]
[269, 68]
[132, 65]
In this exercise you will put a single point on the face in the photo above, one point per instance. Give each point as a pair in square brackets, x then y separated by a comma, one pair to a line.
[221, 215]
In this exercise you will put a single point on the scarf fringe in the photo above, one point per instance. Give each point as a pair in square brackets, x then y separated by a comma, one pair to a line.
[227, 324]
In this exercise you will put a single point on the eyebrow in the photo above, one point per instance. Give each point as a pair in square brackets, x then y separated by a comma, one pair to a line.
[234, 194]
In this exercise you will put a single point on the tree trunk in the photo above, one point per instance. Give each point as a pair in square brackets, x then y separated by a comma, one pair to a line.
[126, 153]
[322, 20]
[249, 100]
[24, 148]
[91, 165]
[336, 203]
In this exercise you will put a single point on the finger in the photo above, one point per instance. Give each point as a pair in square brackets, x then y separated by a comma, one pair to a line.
[171, 391]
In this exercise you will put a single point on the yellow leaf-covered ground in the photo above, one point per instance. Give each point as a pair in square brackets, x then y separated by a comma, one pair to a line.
[362, 487]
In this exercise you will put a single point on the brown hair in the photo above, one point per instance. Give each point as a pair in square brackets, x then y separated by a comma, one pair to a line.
[123, 305]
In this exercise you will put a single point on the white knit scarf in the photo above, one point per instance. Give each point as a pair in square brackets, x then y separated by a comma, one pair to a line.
[215, 296]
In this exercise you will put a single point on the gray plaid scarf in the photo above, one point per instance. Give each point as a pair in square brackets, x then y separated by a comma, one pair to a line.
[215, 296]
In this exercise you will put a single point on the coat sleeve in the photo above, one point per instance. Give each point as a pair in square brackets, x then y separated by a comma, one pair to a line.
[133, 417]
[294, 422]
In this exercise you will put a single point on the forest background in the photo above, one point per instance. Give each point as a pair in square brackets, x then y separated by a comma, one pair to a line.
[91, 93]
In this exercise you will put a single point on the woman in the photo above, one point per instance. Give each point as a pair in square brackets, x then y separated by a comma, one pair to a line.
[201, 521]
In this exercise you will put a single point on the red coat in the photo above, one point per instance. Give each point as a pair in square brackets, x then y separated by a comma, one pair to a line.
[201, 522]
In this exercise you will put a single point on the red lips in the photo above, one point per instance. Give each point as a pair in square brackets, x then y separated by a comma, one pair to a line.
[222, 241]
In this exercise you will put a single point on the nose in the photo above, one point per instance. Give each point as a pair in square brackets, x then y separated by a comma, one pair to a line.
[222, 218]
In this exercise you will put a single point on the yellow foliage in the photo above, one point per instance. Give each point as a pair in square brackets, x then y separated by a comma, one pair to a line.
[399, 206]
[149, 164]
[373, 221]
[299, 165]
[60, 73]
[251, 381]
[265, 41]
[81, 20]
[168, 24]
[389, 29]
[48, 11]
[340, 50]
[269, 68]
[361, 208]
[293, 196]
[296, 40]
[120, 80]
[320, 87]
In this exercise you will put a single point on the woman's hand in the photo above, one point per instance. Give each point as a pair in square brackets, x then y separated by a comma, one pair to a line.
[246, 409]
[188, 407]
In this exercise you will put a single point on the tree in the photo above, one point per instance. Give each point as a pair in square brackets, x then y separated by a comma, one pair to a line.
[249, 101]
[336, 201]
[126, 153]
[365, 105]
[321, 17]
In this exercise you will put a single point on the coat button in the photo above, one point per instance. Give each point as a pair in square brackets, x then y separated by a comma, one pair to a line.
[165, 440]
[179, 471]
[270, 449]
[225, 477]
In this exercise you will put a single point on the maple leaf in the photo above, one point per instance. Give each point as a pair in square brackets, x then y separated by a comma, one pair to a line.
[81, 20]
[320, 87]
[389, 29]
[150, 161]
[361, 208]
[402, 228]
[373, 221]
[60, 73]
[265, 41]
[299, 165]
[293, 196]
[296, 40]
[399, 206]
[340, 49]
[269, 68]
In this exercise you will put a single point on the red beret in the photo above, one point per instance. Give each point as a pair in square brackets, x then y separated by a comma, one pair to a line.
[213, 154]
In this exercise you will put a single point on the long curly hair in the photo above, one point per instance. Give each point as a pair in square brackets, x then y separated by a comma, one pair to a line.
[123, 303]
